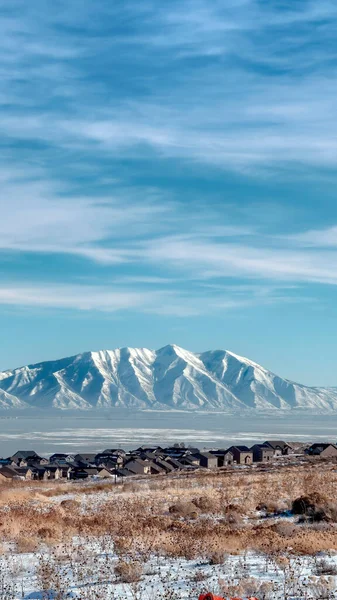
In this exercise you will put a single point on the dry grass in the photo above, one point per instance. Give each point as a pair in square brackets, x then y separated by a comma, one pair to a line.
[197, 515]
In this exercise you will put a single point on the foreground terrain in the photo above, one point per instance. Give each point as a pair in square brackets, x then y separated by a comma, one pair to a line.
[232, 532]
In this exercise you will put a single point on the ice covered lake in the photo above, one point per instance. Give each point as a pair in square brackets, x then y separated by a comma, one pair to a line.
[114, 428]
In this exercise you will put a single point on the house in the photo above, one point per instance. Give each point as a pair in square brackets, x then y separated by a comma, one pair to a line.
[262, 453]
[163, 464]
[156, 469]
[114, 451]
[50, 471]
[35, 472]
[152, 449]
[121, 473]
[206, 460]
[176, 464]
[105, 473]
[137, 466]
[224, 457]
[91, 471]
[242, 455]
[86, 458]
[77, 473]
[58, 456]
[7, 473]
[62, 471]
[29, 462]
[24, 455]
[189, 460]
[322, 450]
[280, 448]
[109, 459]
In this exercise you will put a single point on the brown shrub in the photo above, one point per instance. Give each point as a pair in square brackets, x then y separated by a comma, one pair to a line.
[70, 504]
[184, 509]
[128, 571]
[306, 504]
[285, 529]
[206, 504]
[26, 545]
[216, 558]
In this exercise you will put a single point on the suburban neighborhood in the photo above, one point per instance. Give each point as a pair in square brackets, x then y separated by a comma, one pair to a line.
[148, 460]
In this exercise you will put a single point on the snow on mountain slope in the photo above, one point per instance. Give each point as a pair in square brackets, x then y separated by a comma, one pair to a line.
[8, 401]
[259, 388]
[171, 378]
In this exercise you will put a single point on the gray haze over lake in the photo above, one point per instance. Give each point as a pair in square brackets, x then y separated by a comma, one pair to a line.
[73, 432]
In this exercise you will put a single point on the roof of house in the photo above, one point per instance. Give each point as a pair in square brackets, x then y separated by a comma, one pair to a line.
[91, 470]
[8, 472]
[204, 454]
[157, 468]
[277, 444]
[318, 446]
[24, 454]
[240, 448]
[164, 464]
[86, 456]
[263, 447]
[58, 455]
[174, 462]
[188, 458]
[140, 461]
[124, 473]
[107, 470]
[147, 455]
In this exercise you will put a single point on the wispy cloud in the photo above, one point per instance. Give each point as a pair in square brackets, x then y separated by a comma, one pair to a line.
[121, 299]
[264, 97]
[94, 97]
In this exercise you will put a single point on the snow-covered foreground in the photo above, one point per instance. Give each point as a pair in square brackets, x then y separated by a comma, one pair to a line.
[173, 537]
[87, 569]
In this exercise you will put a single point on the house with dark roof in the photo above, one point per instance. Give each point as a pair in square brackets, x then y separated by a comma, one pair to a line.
[224, 457]
[176, 464]
[116, 451]
[137, 466]
[206, 460]
[106, 460]
[280, 447]
[105, 473]
[322, 450]
[58, 456]
[262, 453]
[242, 455]
[86, 458]
[7, 473]
[24, 455]
[164, 465]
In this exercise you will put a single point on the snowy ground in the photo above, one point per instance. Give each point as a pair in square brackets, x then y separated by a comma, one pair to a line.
[86, 570]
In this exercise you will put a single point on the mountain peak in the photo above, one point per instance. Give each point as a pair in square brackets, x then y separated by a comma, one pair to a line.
[170, 377]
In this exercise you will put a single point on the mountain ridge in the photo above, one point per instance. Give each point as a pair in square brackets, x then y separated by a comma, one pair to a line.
[168, 378]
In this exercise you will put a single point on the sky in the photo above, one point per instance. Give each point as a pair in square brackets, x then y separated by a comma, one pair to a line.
[168, 175]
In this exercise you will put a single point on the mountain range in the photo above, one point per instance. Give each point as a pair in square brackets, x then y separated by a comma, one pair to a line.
[169, 378]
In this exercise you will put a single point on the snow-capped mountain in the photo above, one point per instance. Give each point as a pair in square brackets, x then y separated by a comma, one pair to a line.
[170, 378]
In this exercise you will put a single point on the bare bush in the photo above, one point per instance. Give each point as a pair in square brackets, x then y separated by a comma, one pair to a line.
[128, 571]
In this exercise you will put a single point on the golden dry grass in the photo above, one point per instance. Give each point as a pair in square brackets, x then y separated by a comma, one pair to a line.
[215, 513]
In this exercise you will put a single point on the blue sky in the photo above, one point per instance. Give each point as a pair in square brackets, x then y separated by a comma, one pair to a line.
[168, 175]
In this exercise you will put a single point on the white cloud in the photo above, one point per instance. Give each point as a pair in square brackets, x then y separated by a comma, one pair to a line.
[216, 259]
[36, 216]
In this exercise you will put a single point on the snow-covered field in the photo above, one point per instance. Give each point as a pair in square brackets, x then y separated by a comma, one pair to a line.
[170, 538]
[86, 569]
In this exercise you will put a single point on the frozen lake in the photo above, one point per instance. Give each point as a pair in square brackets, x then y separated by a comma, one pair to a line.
[85, 431]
